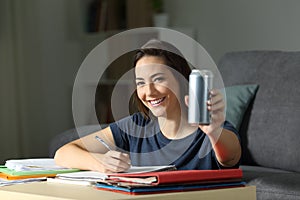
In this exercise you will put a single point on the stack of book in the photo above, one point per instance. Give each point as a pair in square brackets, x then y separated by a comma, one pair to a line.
[29, 170]
[171, 181]
[155, 179]
[136, 181]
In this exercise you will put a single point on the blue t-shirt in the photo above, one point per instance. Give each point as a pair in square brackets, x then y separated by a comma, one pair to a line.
[147, 145]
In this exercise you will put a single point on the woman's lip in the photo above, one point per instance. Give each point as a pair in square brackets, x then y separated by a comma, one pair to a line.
[156, 102]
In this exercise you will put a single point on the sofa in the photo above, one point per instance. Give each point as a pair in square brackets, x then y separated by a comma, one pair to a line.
[268, 121]
[270, 127]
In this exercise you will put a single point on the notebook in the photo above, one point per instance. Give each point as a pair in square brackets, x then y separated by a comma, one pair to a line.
[91, 177]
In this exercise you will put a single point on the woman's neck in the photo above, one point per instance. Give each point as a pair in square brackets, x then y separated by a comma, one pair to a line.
[175, 127]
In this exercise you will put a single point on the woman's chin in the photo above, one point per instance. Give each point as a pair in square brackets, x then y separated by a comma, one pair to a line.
[158, 112]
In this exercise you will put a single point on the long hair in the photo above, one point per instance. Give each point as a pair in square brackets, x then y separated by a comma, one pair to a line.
[172, 58]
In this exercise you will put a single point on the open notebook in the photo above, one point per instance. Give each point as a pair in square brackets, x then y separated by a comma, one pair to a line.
[90, 177]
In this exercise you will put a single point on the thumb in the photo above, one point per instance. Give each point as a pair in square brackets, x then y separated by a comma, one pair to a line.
[186, 100]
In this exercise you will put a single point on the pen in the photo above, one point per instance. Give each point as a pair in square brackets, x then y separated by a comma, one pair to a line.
[103, 142]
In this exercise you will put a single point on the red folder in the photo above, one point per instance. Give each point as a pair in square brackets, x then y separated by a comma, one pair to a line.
[185, 176]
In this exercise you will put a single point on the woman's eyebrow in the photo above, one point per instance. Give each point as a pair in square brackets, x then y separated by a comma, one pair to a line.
[157, 74]
[152, 76]
[137, 78]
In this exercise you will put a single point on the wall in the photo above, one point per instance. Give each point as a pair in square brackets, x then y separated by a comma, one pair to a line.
[40, 56]
[234, 25]
[9, 129]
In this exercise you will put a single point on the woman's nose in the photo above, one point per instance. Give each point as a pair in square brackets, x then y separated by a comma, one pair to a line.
[150, 89]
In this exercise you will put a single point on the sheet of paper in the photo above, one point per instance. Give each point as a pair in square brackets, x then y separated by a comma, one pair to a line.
[74, 182]
[83, 175]
[35, 164]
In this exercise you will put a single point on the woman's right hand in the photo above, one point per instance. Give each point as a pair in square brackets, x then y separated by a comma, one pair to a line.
[112, 162]
[96, 157]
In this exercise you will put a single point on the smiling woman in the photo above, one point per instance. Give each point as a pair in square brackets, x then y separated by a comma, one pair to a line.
[157, 91]
[159, 133]
[168, 67]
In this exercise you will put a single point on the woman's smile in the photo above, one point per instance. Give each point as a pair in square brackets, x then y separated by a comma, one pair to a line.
[157, 102]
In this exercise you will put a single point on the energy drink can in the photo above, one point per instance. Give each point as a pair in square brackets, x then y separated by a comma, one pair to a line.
[200, 84]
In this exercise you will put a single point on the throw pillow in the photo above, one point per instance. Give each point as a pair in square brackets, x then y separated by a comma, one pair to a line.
[238, 99]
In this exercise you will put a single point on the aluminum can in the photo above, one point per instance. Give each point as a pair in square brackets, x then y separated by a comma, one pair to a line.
[200, 84]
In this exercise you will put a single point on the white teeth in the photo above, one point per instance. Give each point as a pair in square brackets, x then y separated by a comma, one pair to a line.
[157, 101]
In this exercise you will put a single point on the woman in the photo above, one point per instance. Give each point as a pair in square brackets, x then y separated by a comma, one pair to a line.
[159, 133]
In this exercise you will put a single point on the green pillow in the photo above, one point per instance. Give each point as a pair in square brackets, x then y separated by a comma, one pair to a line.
[238, 100]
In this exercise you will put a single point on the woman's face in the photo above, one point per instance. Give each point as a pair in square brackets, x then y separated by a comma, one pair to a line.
[157, 87]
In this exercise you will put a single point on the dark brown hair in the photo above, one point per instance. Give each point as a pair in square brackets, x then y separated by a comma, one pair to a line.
[173, 59]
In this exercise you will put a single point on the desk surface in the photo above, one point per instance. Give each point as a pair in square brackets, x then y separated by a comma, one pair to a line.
[57, 191]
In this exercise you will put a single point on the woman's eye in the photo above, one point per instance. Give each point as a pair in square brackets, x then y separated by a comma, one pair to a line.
[140, 83]
[159, 79]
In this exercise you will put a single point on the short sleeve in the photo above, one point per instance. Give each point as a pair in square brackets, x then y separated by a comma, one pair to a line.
[120, 135]
[227, 125]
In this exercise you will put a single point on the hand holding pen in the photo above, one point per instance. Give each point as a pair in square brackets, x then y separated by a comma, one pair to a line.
[114, 161]
[103, 142]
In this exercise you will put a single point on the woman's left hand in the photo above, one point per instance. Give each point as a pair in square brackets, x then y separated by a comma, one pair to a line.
[216, 106]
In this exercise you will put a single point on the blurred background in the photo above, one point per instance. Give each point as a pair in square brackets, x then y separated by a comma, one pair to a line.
[43, 43]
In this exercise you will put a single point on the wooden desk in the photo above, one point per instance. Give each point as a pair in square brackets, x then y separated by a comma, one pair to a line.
[57, 191]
